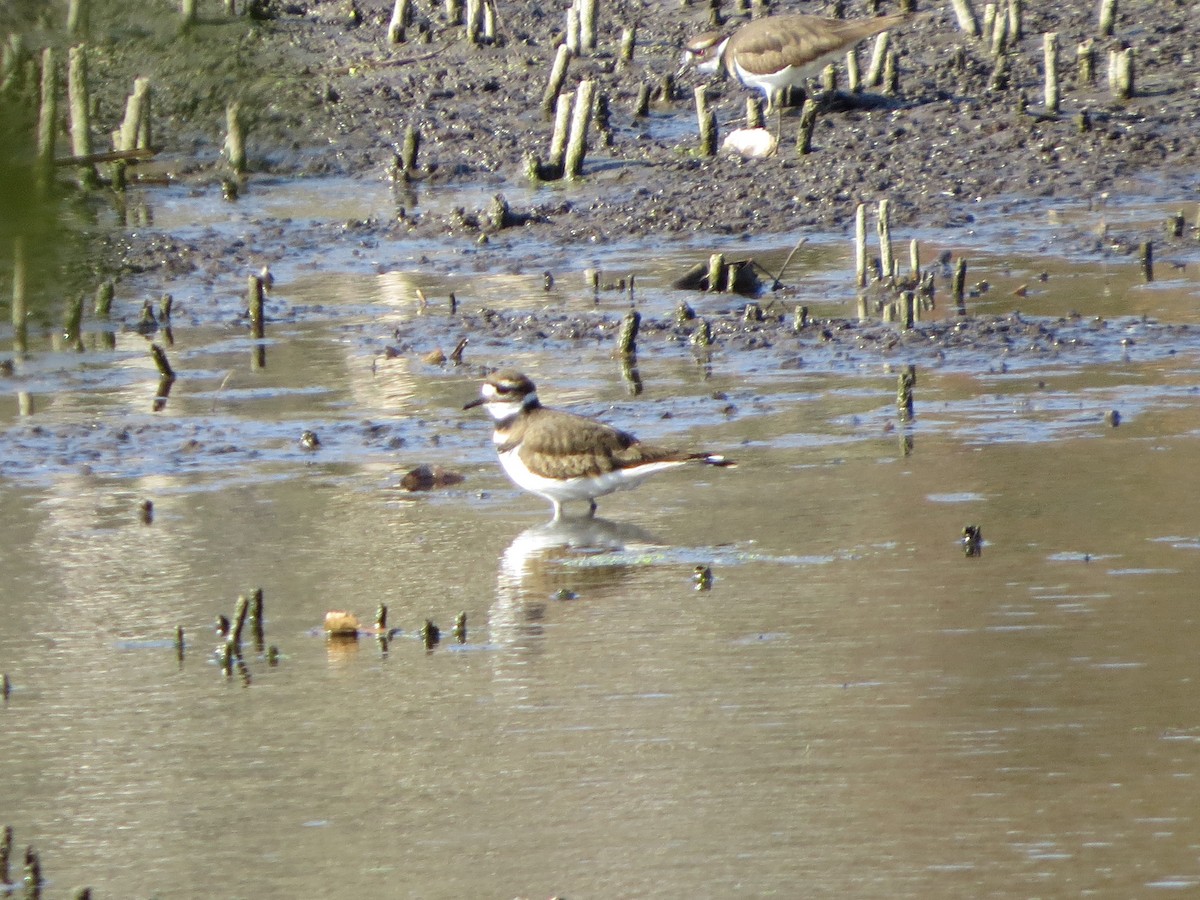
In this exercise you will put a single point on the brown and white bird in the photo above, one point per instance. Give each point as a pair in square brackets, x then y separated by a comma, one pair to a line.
[562, 456]
[778, 52]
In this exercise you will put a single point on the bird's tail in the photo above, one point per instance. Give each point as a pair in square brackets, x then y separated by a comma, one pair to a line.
[714, 459]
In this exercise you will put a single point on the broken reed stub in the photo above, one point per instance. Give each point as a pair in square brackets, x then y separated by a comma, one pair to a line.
[239, 621]
[409, 149]
[581, 118]
[160, 361]
[234, 148]
[716, 272]
[254, 306]
[707, 123]
[958, 285]
[905, 384]
[972, 540]
[1050, 63]
[887, 261]
[430, 635]
[627, 342]
[808, 122]
[558, 76]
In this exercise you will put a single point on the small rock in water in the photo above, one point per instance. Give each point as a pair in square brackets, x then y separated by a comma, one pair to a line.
[426, 478]
[339, 623]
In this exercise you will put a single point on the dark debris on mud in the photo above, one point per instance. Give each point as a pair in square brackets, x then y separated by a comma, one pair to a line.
[978, 344]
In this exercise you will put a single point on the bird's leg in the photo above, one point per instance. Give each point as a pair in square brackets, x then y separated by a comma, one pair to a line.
[558, 514]
[591, 507]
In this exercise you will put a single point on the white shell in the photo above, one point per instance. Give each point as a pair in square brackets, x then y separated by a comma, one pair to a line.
[753, 143]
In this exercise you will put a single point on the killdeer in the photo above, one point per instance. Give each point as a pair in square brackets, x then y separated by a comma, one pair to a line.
[562, 456]
[778, 52]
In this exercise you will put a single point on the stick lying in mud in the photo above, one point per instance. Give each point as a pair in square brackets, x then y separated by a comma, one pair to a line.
[110, 156]
[777, 280]
[387, 63]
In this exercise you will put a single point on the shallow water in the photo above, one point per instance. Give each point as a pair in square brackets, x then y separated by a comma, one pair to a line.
[854, 709]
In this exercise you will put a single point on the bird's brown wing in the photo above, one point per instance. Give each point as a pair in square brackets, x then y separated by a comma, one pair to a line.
[582, 447]
[780, 41]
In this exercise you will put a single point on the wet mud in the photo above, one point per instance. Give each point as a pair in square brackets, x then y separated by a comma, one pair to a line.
[325, 93]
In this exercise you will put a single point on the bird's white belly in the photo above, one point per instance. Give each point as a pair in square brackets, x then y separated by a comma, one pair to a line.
[583, 488]
[786, 77]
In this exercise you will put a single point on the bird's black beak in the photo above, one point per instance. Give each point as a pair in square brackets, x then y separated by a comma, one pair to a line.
[478, 401]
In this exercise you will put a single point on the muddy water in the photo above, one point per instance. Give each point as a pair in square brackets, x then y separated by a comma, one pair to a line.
[853, 709]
